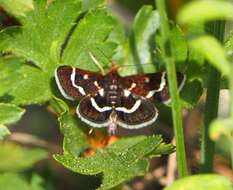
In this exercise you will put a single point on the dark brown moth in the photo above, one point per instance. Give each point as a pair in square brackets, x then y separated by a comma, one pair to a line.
[111, 100]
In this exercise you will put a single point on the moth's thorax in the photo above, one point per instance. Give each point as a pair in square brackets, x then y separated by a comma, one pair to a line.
[112, 89]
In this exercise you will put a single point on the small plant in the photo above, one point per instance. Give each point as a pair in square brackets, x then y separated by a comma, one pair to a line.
[79, 33]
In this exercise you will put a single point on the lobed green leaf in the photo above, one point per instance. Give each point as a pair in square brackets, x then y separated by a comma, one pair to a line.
[95, 28]
[43, 33]
[59, 106]
[74, 138]
[120, 161]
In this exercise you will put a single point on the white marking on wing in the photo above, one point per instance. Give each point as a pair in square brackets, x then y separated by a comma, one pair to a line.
[97, 85]
[161, 86]
[61, 88]
[133, 85]
[137, 126]
[179, 89]
[103, 109]
[182, 83]
[72, 78]
[127, 93]
[131, 110]
[93, 124]
[101, 92]
[85, 76]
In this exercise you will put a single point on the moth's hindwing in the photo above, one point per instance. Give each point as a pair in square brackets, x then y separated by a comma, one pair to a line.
[136, 112]
[93, 111]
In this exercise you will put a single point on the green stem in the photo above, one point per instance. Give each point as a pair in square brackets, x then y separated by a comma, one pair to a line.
[211, 107]
[175, 100]
[231, 114]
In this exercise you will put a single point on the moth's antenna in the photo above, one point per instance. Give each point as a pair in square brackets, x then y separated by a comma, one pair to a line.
[97, 63]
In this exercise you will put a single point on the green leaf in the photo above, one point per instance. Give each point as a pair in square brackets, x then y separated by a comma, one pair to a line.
[36, 182]
[229, 46]
[202, 182]
[16, 158]
[8, 76]
[74, 138]
[39, 39]
[3, 132]
[32, 88]
[179, 44]
[10, 113]
[204, 11]
[43, 33]
[138, 52]
[9, 181]
[221, 127]
[119, 162]
[59, 105]
[90, 37]
[191, 93]
[88, 4]
[17, 7]
[212, 50]
[22, 83]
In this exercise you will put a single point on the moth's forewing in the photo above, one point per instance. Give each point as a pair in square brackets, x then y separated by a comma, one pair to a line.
[75, 83]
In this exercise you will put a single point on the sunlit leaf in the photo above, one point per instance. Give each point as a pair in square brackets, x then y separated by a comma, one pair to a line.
[204, 11]
[96, 26]
[221, 127]
[17, 7]
[212, 50]
[139, 51]
[74, 138]
[119, 162]
[202, 182]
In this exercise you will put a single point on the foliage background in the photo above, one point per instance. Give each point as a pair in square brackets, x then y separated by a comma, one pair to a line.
[39, 42]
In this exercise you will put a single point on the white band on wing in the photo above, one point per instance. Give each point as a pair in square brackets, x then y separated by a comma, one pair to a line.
[131, 110]
[103, 109]
[72, 78]
[161, 86]
[61, 88]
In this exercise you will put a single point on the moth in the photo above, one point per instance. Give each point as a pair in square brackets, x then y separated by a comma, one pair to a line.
[111, 100]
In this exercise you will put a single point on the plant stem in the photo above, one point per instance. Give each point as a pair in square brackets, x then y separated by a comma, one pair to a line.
[175, 100]
[231, 114]
[211, 107]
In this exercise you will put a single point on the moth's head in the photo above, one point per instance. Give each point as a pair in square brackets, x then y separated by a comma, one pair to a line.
[114, 67]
